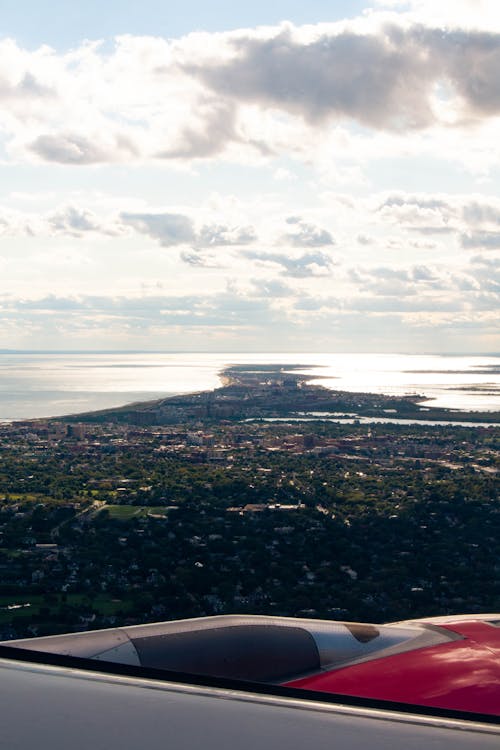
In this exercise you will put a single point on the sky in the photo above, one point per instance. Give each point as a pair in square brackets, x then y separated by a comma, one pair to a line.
[271, 177]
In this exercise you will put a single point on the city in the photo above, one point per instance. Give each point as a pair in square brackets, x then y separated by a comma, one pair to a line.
[104, 523]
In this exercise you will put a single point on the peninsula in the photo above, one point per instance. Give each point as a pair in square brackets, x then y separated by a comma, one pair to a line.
[277, 392]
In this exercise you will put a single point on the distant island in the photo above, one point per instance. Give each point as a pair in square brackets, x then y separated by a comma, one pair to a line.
[277, 391]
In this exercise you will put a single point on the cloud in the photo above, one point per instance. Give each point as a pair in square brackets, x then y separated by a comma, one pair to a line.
[419, 213]
[428, 294]
[172, 229]
[17, 224]
[306, 235]
[302, 266]
[485, 240]
[485, 273]
[447, 222]
[73, 221]
[362, 77]
[205, 310]
[216, 128]
[431, 308]
[199, 260]
[248, 93]
[218, 235]
[481, 213]
[447, 13]
[475, 221]
[418, 245]
[364, 239]
[423, 273]
[400, 283]
[27, 86]
[272, 288]
[77, 149]
[169, 229]
[385, 79]
[487, 262]
[314, 304]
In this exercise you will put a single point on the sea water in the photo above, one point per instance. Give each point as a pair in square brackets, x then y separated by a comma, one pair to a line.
[48, 384]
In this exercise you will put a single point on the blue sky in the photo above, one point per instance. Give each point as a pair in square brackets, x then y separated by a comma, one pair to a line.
[274, 176]
[68, 22]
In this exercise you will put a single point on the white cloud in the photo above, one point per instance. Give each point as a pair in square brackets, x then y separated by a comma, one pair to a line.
[422, 213]
[305, 234]
[217, 235]
[199, 259]
[73, 221]
[310, 264]
[172, 229]
[405, 302]
[77, 253]
[385, 80]
[169, 228]
[472, 218]
[481, 240]
[361, 225]
[475, 14]
[364, 239]
[259, 239]
[78, 149]
[246, 94]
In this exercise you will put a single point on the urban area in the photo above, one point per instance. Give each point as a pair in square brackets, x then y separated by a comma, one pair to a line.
[194, 506]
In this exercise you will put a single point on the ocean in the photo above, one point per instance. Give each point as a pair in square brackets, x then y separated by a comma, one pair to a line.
[49, 384]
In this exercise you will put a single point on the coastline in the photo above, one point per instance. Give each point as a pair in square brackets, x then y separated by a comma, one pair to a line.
[38, 386]
[280, 391]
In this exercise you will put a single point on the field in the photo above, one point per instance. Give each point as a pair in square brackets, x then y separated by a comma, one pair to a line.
[13, 608]
[126, 512]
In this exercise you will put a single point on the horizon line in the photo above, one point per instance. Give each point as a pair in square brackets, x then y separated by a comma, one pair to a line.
[249, 352]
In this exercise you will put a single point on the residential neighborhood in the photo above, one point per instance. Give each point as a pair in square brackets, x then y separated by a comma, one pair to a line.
[108, 523]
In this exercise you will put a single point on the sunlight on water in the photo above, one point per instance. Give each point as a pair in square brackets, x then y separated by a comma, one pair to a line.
[44, 384]
[450, 382]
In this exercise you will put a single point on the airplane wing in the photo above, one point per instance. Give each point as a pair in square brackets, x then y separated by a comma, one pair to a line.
[243, 681]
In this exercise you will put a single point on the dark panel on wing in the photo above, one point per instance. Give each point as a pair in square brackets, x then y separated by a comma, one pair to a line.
[264, 653]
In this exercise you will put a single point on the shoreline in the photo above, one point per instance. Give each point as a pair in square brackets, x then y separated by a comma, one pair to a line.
[66, 391]
[279, 391]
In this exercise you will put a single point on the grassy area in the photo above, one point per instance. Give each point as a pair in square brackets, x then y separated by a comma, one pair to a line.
[126, 512]
[15, 607]
[15, 497]
[102, 603]
[34, 498]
